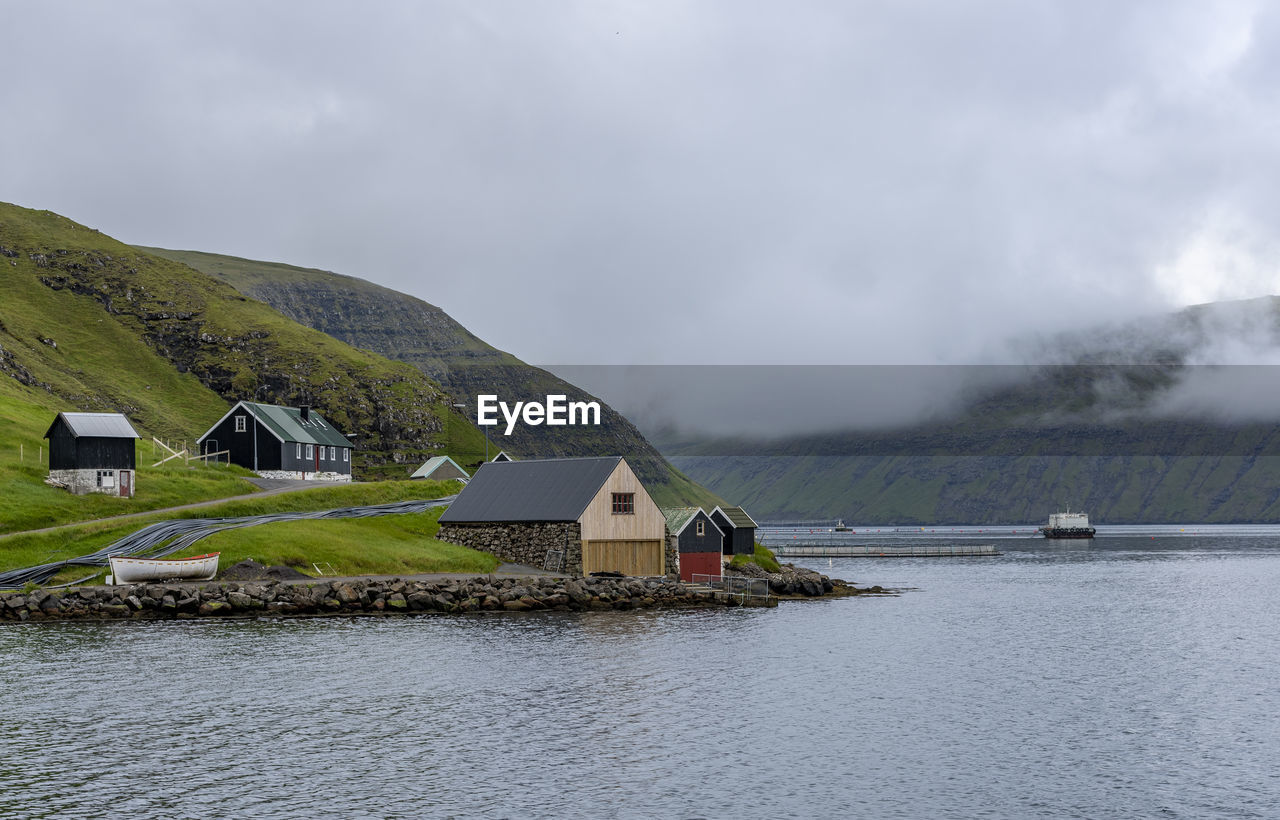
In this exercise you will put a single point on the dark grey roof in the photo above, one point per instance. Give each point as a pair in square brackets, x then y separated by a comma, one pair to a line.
[96, 425]
[557, 489]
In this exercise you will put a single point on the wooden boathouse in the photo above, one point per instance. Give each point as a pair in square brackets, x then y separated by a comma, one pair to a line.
[575, 515]
[698, 541]
[739, 530]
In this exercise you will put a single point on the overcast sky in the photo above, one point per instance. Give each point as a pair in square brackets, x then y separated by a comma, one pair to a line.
[659, 182]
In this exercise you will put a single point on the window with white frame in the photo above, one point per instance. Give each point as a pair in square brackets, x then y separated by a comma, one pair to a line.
[310, 451]
[333, 453]
[297, 450]
[346, 453]
[241, 424]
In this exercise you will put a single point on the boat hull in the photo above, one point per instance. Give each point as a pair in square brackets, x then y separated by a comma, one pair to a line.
[132, 570]
[1072, 532]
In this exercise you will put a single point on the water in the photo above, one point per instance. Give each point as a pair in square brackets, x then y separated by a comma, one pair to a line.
[1134, 676]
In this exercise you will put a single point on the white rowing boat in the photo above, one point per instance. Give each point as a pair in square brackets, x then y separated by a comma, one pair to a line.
[132, 570]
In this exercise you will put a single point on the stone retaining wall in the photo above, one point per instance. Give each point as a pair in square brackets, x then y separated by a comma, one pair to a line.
[275, 598]
[298, 475]
[521, 543]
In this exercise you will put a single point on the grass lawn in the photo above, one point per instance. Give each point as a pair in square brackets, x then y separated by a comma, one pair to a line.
[22, 550]
[388, 545]
[29, 503]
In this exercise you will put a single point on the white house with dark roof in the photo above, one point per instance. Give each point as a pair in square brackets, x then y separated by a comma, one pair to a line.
[280, 442]
[92, 453]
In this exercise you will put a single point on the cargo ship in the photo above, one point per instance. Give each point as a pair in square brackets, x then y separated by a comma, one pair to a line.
[1068, 525]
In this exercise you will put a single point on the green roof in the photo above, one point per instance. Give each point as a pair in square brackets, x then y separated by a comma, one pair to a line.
[439, 463]
[287, 423]
[677, 517]
[738, 517]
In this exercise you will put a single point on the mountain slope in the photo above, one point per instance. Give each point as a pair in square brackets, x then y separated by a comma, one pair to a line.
[100, 325]
[410, 330]
[1135, 423]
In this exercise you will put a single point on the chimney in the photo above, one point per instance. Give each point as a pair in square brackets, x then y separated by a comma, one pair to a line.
[306, 412]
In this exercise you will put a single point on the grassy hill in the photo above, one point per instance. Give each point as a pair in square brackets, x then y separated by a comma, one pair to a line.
[420, 334]
[89, 323]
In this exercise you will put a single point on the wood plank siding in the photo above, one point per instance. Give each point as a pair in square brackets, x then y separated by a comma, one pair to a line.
[628, 557]
[599, 523]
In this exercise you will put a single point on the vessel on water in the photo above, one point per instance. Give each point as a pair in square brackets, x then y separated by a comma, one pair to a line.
[840, 527]
[1068, 525]
[132, 570]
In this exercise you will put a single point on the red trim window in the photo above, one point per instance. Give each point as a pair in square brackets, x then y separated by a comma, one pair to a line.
[624, 503]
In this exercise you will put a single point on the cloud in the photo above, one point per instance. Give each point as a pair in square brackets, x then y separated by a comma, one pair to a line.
[662, 182]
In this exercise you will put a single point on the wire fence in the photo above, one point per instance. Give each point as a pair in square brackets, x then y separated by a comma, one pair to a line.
[732, 585]
[167, 537]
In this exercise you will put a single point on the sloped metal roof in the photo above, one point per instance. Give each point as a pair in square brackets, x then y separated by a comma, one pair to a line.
[287, 423]
[435, 463]
[536, 490]
[96, 425]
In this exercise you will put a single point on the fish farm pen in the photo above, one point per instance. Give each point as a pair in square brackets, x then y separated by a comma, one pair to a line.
[883, 550]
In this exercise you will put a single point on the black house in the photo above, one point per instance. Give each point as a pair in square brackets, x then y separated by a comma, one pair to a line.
[92, 453]
[738, 528]
[698, 541]
[280, 442]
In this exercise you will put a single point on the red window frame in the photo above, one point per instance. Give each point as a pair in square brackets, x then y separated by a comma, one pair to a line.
[624, 503]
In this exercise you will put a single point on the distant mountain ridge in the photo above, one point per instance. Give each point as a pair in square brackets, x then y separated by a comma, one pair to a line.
[1133, 423]
[406, 329]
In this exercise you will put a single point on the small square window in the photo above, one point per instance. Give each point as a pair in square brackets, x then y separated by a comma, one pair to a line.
[241, 425]
[624, 503]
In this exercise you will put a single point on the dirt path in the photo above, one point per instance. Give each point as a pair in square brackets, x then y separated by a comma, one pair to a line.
[269, 488]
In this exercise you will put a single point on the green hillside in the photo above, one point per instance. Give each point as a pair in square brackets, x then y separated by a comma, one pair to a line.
[410, 330]
[89, 323]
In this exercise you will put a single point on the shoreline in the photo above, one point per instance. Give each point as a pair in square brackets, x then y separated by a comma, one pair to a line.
[373, 597]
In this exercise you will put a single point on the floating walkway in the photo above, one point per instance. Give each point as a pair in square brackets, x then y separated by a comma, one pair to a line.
[883, 550]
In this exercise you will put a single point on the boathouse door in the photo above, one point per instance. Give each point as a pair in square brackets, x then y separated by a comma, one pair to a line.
[126, 483]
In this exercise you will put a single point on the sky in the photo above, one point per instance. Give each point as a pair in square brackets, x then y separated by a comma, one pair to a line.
[739, 182]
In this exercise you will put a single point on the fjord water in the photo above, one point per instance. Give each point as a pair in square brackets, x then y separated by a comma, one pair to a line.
[1131, 676]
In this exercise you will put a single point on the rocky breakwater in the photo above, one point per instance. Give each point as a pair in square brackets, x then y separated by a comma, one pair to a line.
[796, 582]
[373, 597]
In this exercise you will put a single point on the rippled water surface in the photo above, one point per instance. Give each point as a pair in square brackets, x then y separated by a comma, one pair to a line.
[1137, 676]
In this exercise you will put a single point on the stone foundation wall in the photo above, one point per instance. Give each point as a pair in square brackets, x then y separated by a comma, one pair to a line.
[297, 475]
[672, 553]
[80, 482]
[521, 543]
[355, 597]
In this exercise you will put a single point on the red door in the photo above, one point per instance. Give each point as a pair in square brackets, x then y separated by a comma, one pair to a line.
[699, 563]
[126, 484]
